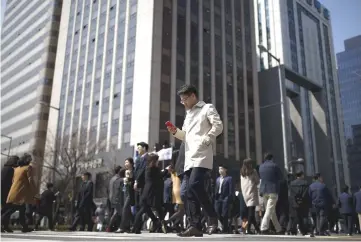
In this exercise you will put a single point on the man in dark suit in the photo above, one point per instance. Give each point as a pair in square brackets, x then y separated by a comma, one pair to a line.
[85, 205]
[271, 176]
[127, 216]
[345, 204]
[223, 197]
[45, 208]
[357, 202]
[110, 191]
[117, 199]
[139, 171]
[322, 201]
[299, 202]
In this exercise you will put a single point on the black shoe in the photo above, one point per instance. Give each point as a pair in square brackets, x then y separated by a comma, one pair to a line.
[7, 230]
[191, 232]
[156, 226]
[212, 228]
[164, 226]
[26, 230]
[265, 232]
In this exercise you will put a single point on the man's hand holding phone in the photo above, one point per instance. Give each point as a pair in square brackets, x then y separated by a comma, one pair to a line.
[171, 128]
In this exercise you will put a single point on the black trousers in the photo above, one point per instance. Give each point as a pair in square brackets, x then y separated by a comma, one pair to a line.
[8, 210]
[348, 222]
[168, 208]
[197, 196]
[222, 210]
[177, 217]
[252, 219]
[83, 217]
[298, 216]
[115, 219]
[145, 209]
[49, 215]
[127, 216]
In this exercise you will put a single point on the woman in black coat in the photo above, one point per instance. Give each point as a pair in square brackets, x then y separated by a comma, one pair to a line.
[151, 195]
[7, 174]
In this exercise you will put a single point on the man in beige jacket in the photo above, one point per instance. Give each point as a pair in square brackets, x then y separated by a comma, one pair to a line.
[201, 126]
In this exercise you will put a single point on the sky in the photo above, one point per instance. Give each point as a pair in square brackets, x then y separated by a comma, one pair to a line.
[345, 17]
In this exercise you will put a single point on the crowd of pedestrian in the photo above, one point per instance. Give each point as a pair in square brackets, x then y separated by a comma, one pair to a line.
[184, 198]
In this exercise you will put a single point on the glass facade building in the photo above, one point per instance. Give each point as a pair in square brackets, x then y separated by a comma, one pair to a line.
[300, 35]
[125, 59]
[349, 76]
[29, 41]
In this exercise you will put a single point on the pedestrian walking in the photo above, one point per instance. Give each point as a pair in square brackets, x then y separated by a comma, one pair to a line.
[271, 176]
[22, 192]
[224, 193]
[357, 202]
[249, 183]
[85, 205]
[346, 208]
[299, 205]
[45, 207]
[201, 126]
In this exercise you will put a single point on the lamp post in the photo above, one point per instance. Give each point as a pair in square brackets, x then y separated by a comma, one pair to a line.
[284, 139]
[11, 139]
[56, 133]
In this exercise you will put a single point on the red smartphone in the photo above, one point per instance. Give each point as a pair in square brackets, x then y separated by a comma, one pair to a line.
[169, 124]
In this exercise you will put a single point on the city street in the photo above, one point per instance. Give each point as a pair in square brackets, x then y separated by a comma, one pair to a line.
[45, 236]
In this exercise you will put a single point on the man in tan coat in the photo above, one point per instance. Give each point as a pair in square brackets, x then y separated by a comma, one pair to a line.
[200, 129]
[22, 192]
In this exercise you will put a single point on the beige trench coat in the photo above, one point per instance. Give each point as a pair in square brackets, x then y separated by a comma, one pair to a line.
[201, 126]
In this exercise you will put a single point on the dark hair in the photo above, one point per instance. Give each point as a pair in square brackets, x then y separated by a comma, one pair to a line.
[247, 167]
[121, 173]
[144, 145]
[316, 176]
[187, 90]
[299, 173]
[12, 161]
[268, 156]
[152, 157]
[87, 174]
[224, 167]
[49, 185]
[345, 189]
[130, 159]
[25, 160]
[117, 169]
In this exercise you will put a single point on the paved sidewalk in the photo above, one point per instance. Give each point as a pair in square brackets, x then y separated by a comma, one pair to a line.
[45, 236]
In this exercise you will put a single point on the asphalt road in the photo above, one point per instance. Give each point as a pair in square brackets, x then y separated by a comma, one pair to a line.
[45, 236]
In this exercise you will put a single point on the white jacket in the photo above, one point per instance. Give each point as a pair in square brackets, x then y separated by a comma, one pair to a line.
[201, 126]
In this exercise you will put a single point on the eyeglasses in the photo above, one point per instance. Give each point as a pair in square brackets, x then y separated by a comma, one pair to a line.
[183, 100]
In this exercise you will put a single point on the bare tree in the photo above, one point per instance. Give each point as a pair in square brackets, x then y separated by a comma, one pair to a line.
[65, 163]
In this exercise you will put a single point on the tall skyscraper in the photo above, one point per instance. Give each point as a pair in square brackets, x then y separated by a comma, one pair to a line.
[349, 75]
[121, 62]
[28, 48]
[299, 33]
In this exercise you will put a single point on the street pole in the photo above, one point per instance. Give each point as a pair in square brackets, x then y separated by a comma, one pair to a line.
[283, 121]
[56, 134]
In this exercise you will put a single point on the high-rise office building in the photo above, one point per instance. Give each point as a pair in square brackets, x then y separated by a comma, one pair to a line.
[28, 48]
[349, 76]
[121, 62]
[299, 33]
